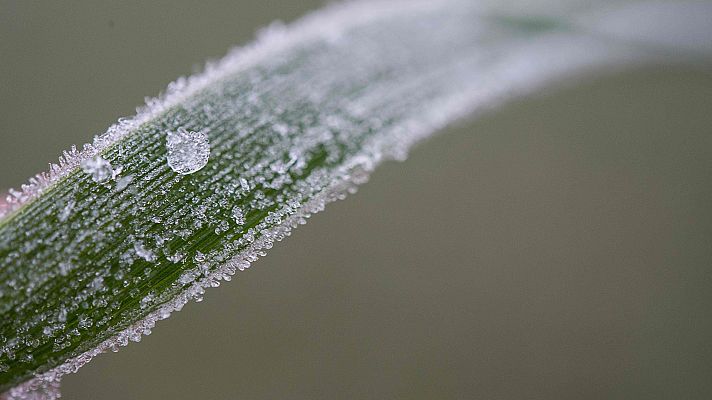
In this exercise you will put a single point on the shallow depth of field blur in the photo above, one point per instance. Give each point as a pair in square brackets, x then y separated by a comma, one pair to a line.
[558, 247]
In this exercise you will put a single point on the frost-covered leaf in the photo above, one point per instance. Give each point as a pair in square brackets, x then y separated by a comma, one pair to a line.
[206, 178]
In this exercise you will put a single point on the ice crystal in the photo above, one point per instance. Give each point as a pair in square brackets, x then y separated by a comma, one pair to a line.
[175, 258]
[99, 169]
[244, 185]
[123, 182]
[238, 216]
[143, 252]
[188, 151]
[147, 300]
[66, 211]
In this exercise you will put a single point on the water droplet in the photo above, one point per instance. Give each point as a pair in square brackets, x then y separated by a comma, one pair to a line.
[99, 169]
[188, 151]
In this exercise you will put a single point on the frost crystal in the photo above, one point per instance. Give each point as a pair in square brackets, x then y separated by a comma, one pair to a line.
[147, 300]
[188, 151]
[238, 215]
[99, 169]
[244, 185]
[143, 252]
[175, 258]
[65, 267]
[66, 211]
[123, 182]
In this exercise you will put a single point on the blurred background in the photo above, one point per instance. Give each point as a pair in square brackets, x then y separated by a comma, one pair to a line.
[558, 247]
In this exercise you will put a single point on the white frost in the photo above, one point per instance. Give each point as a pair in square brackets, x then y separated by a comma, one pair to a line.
[143, 252]
[99, 169]
[238, 216]
[123, 182]
[188, 151]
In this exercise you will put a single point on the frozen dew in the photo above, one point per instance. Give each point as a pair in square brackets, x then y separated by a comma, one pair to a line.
[223, 226]
[175, 258]
[147, 300]
[65, 267]
[66, 211]
[99, 169]
[143, 252]
[85, 322]
[244, 185]
[188, 151]
[187, 277]
[123, 182]
[117, 171]
[160, 240]
[238, 216]
[97, 284]
[199, 257]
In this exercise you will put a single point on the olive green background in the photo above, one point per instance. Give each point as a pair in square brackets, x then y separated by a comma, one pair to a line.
[558, 247]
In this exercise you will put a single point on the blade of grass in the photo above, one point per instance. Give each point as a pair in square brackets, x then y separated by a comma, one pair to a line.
[294, 121]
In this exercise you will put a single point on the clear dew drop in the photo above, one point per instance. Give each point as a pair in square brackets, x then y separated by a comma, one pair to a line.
[99, 169]
[188, 151]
